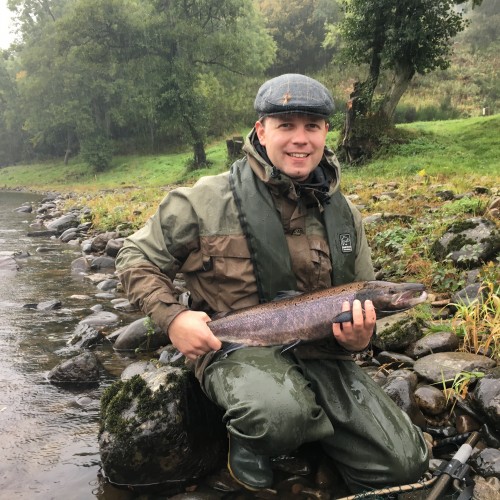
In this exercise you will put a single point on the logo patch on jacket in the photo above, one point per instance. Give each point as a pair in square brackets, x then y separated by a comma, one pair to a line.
[345, 243]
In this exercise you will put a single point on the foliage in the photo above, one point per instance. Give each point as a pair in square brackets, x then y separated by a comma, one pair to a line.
[143, 75]
[404, 37]
[298, 28]
[96, 151]
[465, 205]
[478, 323]
[459, 385]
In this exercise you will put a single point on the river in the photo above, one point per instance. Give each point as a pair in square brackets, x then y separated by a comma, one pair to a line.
[48, 445]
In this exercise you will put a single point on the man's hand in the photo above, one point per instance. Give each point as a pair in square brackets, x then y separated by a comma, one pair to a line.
[356, 336]
[190, 334]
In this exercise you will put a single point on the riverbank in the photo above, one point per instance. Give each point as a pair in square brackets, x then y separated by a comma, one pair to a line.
[417, 347]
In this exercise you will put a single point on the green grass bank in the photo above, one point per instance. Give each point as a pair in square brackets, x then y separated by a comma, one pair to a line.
[443, 148]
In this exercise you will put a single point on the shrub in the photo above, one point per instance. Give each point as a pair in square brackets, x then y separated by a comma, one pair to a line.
[97, 152]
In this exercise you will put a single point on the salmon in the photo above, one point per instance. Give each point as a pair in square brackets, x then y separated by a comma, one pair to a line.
[309, 316]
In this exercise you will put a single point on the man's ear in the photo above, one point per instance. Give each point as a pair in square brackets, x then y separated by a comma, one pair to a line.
[261, 132]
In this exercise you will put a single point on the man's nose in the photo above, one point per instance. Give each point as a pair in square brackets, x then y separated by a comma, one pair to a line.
[300, 135]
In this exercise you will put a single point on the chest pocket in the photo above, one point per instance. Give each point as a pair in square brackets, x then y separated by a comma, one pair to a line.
[321, 262]
[223, 272]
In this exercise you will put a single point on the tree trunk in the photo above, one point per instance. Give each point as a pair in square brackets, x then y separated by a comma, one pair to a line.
[402, 78]
[359, 105]
[200, 156]
[68, 147]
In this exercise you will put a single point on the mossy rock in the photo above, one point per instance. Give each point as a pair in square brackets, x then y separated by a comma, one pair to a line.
[397, 332]
[159, 427]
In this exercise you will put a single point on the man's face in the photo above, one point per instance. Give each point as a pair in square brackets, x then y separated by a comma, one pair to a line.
[294, 142]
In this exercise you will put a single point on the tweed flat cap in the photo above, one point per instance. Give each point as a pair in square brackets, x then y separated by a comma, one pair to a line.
[293, 93]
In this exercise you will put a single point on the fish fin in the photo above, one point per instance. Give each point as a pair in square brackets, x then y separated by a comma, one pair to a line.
[286, 294]
[228, 347]
[343, 317]
[290, 346]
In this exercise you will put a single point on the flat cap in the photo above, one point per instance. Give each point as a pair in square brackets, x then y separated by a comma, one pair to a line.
[293, 93]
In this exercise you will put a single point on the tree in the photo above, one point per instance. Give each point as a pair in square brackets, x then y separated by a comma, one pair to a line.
[204, 45]
[298, 28]
[99, 74]
[11, 135]
[398, 37]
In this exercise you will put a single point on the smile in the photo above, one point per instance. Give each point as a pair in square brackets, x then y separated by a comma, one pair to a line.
[298, 155]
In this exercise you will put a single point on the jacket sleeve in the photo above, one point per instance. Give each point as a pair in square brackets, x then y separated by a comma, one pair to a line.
[150, 258]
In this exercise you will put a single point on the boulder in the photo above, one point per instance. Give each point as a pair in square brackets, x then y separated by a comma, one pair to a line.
[159, 427]
[468, 243]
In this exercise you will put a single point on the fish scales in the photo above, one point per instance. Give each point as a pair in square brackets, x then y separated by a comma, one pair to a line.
[309, 316]
[282, 322]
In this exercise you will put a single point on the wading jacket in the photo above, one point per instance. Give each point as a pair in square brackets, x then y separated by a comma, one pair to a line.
[197, 231]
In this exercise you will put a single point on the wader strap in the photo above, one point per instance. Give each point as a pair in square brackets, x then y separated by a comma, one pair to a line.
[264, 232]
[266, 239]
[341, 233]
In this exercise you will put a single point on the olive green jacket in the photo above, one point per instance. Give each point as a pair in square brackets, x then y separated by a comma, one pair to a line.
[196, 232]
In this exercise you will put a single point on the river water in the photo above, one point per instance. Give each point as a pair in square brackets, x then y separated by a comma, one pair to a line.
[48, 434]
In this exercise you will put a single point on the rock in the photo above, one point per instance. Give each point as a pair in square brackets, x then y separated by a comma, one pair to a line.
[101, 240]
[82, 369]
[159, 427]
[123, 305]
[49, 305]
[103, 262]
[394, 359]
[396, 332]
[113, 246]
[487, 463]
[444, 366]
[486, 397]
[486, 489]
[399, 386]
[25, 209]
[432, 343]
[430, 399]
[85, 336]
[466, 423]
[100, 319]
[140, 335]
[98, 277]
[62, 223]
[69, 234]
[108, 285]
[468, 243]
[137, 368]
[80, 265]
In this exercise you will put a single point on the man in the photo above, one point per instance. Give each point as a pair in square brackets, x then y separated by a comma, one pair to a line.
[275, 222]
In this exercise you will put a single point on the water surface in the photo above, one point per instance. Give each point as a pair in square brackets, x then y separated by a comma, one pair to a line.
[48, 434]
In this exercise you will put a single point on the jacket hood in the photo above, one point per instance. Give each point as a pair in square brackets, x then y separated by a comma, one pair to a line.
[325, 180]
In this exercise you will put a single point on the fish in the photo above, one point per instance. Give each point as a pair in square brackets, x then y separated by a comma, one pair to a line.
[309, 316]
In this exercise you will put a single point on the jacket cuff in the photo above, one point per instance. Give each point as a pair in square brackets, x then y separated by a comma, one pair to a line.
[163, 308]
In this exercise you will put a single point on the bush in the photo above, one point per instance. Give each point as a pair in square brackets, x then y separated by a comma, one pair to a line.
[97, 152]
